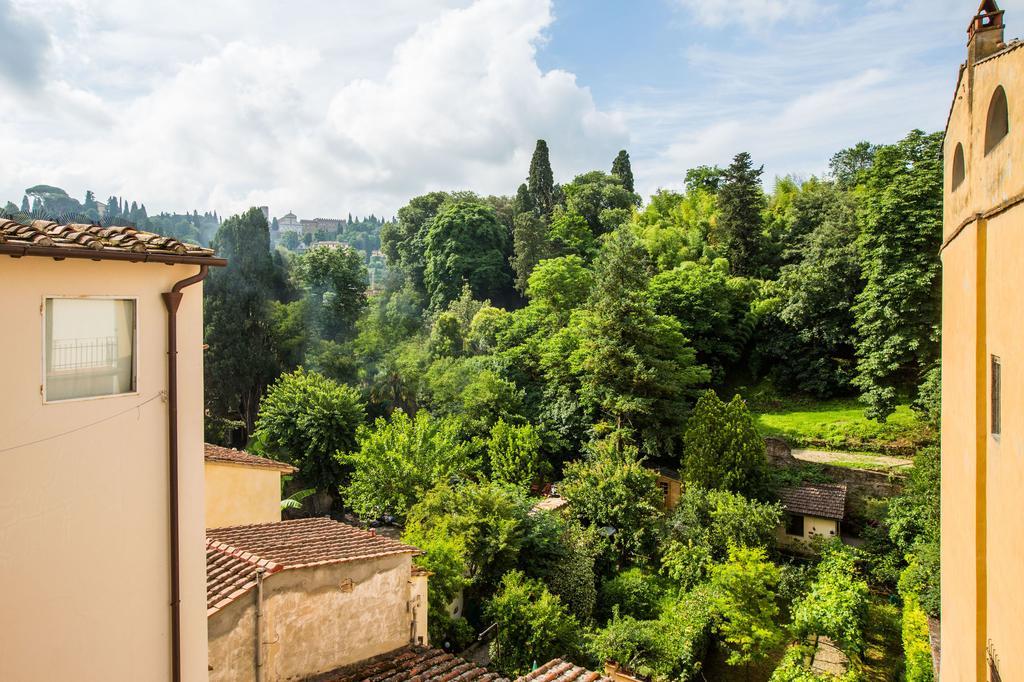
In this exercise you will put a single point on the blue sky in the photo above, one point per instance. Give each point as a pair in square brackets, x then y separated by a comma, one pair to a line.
[325, 106]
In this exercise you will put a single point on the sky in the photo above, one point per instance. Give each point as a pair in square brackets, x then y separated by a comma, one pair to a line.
[330, 107]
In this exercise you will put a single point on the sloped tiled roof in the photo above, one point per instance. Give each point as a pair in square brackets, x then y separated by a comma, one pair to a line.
[216, 453]
[558, 670]
[234, 553]
[78, 240]
[229, 575]
[412, 664]
[827, 500]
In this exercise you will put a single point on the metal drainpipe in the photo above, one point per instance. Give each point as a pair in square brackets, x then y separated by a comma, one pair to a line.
[259, 623]
[172, 299]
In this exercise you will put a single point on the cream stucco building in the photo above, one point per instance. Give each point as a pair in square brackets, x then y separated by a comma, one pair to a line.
[242, 488]
[983, 362]
[293, 599]
[87, 558]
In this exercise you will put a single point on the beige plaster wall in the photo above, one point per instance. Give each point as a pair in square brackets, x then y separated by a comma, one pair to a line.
[237, 495]
[983, 475]
[84, 516]
[311, 624]
[418, 599]
[814, 527]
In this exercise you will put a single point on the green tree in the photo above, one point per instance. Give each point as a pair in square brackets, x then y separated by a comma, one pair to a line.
[290, 240]
[897, 313]
[400, 459]
[675, 228]
[740, 203]
[601, 199]
[722, 448]
[514, 454]
[634, 366]
[913, 522]
[706, 178]
[446, 336]
[532, 625]
[241, 361]
[466, 243]
[836, 606]
[808, 334]
[744, 604]
[611, 489]
[307, 420]
[570, 573]
[847, 167]
[622, 169]
[560, 285]
[713, 310]
[706, 523]
[530, 245]
[541, 182]
[335, 282]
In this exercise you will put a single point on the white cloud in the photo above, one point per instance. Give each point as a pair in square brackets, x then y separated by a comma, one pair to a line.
[753, 14]
[321, 113]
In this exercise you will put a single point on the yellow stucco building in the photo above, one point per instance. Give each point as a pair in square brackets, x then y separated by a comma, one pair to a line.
[242, 488]
[983, 362]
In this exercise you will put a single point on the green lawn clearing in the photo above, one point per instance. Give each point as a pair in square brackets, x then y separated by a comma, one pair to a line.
[841, 425]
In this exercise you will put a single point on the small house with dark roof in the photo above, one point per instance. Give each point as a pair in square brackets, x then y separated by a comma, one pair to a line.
[300, 598]
[242, 488]
[811, 511]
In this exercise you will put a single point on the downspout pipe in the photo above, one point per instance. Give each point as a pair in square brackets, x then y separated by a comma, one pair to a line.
[172, 299]
[260, 577]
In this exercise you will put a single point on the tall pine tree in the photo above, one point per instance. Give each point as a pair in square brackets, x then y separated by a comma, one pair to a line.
[541, 181]
[623, 170]
[740, 202]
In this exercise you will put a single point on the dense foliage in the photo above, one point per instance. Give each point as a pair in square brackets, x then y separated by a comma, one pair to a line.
[571, 335]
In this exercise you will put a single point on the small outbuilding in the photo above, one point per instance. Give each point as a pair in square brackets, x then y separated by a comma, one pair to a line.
[242, 488]
[294, 599]
[811, 511]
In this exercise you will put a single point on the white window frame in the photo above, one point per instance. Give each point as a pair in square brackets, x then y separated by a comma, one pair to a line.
[42, 345]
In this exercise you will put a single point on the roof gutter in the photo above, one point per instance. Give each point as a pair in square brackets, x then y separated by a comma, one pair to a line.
[172, 299]
[62, 252]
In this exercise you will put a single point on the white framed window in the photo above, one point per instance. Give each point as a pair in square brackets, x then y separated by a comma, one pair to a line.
[90, 347]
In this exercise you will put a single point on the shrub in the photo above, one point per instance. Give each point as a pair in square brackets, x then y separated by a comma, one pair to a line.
[706, 523]
[611, 488]
[669, 648]
[514, 454]
[633, 592]
[916, 646]
[533, 624]
[399, 460]
[836, 606]
[722, 448]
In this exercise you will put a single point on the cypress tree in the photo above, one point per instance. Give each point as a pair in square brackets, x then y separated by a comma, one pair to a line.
[623, 170]
[740, 202]
[25, 208]
[541, 181]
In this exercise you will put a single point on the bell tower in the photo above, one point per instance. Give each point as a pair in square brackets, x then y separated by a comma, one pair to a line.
[985, 34]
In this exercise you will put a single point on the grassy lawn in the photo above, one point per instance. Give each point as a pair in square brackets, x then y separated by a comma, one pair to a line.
[841, 425]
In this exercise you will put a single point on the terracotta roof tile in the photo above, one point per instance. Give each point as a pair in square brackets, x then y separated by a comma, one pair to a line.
[234, 553]
[95, 240]
[827, 500]
[559, 670]
[412, 664]
[216, 453]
